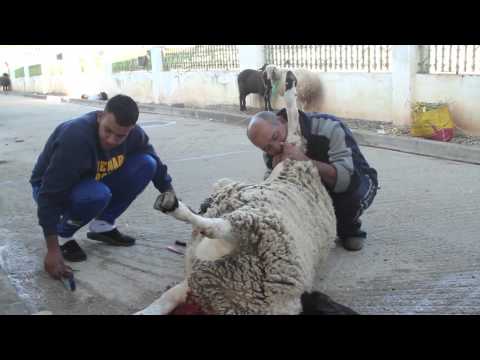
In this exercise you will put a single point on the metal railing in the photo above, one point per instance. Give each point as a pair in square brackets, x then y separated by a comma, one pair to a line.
[20, 73]
[135, 64]
[450, 59]
[201, 57]
[337, 58]
[35, 70]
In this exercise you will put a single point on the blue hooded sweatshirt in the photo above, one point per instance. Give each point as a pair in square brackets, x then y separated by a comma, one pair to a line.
[73, 153]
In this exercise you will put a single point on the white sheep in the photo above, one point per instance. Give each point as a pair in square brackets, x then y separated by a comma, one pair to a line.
[257, 248]
[310, 90]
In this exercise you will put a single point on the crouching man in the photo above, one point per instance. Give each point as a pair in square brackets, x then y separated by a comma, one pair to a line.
[349, 179]
[92, 168]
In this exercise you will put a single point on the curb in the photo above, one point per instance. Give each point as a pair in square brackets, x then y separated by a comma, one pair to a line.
[417, 146]
[171, 110]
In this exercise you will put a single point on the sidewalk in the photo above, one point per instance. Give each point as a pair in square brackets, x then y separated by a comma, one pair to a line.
[418, 146]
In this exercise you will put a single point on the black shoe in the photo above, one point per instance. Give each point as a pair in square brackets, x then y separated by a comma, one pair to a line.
[355, 241]
[112, 237]
[71, 251]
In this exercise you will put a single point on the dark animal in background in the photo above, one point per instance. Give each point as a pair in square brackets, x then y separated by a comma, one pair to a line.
[6, 83]
[254, 82]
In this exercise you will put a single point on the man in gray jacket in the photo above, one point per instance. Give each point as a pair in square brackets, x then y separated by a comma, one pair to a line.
[349, 179]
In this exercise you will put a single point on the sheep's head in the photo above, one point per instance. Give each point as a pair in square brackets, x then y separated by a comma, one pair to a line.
[273, 73]
[290, 80]
[291, 91]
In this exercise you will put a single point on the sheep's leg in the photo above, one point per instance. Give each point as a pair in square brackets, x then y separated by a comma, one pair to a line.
[268, 105]
[215, 228]
[243, 102]
[169, 300]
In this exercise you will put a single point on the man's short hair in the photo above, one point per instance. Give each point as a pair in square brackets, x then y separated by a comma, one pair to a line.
[124, 108]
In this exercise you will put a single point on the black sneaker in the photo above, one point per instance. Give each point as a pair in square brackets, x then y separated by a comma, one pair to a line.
[71, 251]
[112, 237]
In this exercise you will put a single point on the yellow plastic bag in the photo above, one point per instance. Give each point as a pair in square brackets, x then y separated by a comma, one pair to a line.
[432, 121]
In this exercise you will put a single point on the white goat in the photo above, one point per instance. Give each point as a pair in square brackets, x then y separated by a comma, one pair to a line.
[309, 91]
[257, 247]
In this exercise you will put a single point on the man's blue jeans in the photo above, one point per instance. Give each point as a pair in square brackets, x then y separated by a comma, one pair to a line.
[350, 206]
[108, 198]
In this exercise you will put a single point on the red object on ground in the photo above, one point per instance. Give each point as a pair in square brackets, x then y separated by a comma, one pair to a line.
[189, 307]
[442, 135]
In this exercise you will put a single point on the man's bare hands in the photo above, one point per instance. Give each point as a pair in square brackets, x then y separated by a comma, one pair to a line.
[55, 266]
[293, 152]
[289, 151]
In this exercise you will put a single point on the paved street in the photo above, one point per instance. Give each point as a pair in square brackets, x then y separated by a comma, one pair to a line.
[422, 255]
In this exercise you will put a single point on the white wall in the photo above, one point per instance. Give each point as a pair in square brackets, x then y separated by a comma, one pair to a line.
[137, 84]
[461, 92]
[358, 95]
[198, 88]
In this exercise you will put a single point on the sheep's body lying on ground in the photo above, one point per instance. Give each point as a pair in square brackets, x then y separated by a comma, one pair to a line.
[253, 82]
[309, 89]
[260, 247]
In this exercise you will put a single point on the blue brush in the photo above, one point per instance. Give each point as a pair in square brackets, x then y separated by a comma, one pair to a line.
[69, 282]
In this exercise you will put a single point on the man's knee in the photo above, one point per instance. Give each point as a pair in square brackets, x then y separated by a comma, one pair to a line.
[145, 165]
[150, 165]
[91, 193]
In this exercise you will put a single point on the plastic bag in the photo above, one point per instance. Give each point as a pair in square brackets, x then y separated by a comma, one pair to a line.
[432, 121]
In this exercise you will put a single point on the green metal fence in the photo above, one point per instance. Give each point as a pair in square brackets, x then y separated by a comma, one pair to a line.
[348, 58]
[201, 57]
[20, 73]
[35, 70]
[135, 64]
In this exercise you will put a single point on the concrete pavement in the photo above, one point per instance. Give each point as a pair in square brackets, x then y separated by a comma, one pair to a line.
[10, 302]
[421, 256]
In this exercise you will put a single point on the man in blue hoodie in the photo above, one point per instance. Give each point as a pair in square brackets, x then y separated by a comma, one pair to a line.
[92, 168]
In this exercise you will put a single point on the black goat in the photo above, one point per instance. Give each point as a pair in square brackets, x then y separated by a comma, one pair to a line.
[254, 82]
[5, 83]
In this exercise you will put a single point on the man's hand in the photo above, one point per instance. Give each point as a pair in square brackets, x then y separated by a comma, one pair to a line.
[55, 266]
[166, 201]
[289, 151]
